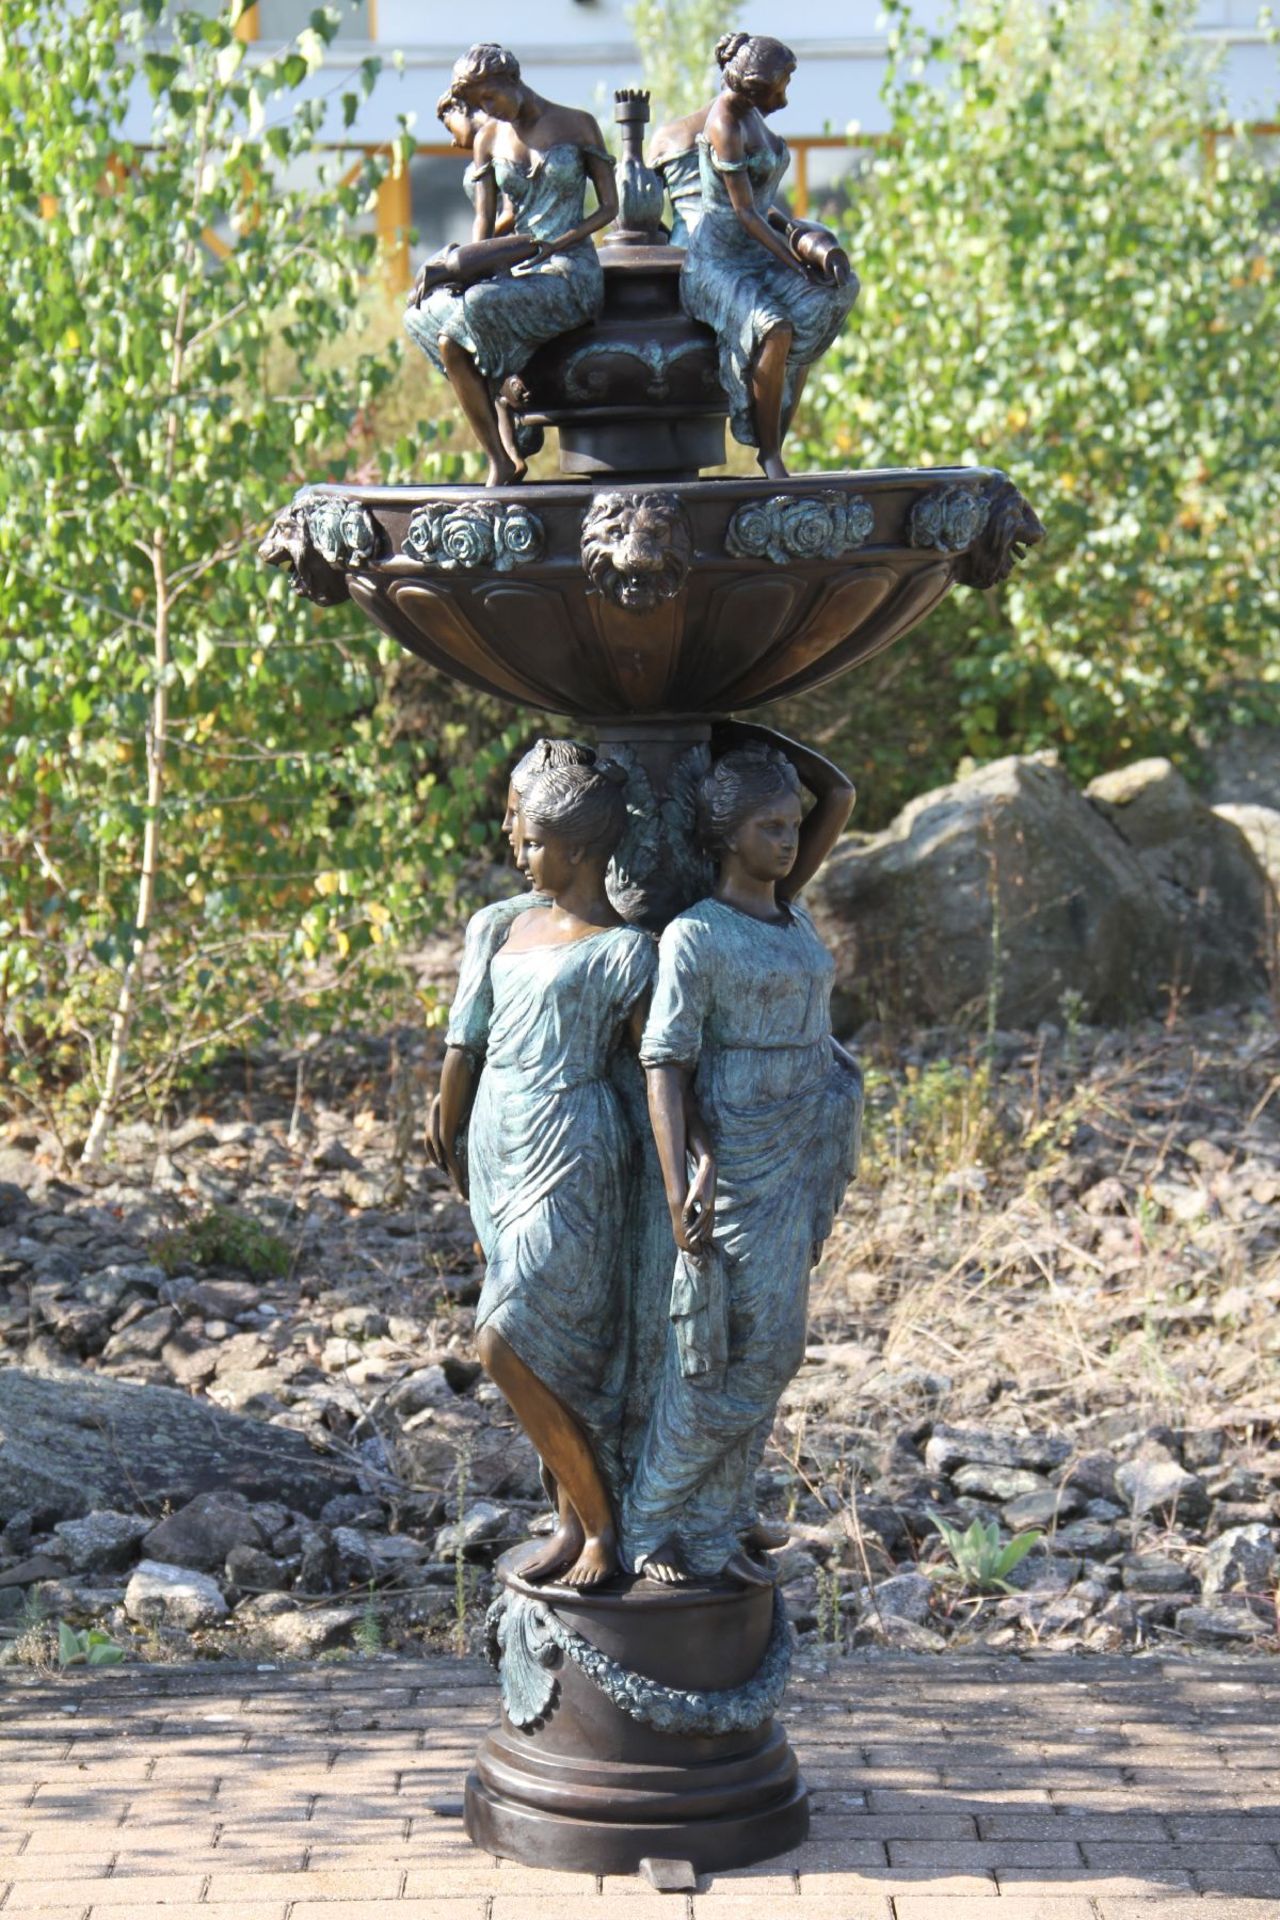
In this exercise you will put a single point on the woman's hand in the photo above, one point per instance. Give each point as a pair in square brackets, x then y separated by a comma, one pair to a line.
[698, 1214]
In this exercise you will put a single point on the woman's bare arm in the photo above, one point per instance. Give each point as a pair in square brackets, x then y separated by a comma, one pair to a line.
[833, 794]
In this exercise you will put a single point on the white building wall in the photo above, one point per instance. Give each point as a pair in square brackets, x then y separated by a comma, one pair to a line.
[579, 53]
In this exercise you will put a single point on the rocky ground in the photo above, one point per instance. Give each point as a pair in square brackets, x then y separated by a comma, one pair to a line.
[1049, 1305]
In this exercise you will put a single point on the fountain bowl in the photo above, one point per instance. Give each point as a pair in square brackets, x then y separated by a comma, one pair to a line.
[667, 598]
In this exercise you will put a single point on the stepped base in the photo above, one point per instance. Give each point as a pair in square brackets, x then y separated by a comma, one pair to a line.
[588, 1787]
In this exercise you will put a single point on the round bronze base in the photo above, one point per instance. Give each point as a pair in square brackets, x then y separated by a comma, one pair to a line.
[590, 1788]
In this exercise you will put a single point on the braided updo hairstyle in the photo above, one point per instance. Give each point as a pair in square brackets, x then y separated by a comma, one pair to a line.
[747, 57]
[485, 61]
[583, 805]
[546, 755]
[738, 784]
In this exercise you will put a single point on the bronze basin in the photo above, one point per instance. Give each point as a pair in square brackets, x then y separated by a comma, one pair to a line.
[671, 598]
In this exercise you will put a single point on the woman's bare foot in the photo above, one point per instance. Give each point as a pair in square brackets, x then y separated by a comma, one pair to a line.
[740, 1567]
[597, 1562]
[772, 466]
[667, 1564]
[763, 1537]
[505, 472]
[556, 1555]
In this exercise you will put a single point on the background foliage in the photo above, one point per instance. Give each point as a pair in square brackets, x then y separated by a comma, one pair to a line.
[1063, 278]
[209, 825]
[223, 813]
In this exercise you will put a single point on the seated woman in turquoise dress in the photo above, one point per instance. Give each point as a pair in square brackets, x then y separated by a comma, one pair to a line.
[775, 291]
[552, 1160]
[740, 1015]
[540, 157]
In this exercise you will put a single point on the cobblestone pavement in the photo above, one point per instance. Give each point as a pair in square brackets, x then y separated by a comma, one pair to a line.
[1040, 1789]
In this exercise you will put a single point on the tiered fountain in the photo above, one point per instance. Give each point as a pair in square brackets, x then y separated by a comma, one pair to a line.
[646, 603]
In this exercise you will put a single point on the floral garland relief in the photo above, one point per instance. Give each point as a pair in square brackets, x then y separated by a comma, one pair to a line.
[526, 1640]
[475, 534]
[819, 526]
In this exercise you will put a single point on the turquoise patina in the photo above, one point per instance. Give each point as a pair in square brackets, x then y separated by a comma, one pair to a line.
[552, 1156]
[743, 292]
[681, 175]
[746, 1004]
[502, 321]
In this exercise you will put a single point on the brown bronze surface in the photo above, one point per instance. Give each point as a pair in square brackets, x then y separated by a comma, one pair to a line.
[743, 627]
[592, 1790]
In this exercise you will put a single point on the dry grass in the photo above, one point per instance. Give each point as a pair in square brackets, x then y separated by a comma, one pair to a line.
[1077, 1230]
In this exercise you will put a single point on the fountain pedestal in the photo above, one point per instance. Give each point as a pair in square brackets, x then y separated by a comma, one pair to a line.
[637, 1725]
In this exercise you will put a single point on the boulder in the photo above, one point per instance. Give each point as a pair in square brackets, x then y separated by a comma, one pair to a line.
[299, 1633]
[1213, 892]
[204, 1532]
[162, 1596]
[950, 1447]
[1244, 768]
[72, 1443]
[1243, 1560]
[1261, 828]
[102, 1542]
[1007, 882]
[1162, 1486]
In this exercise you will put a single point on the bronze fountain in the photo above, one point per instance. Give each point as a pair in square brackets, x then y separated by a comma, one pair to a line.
[647, 1271]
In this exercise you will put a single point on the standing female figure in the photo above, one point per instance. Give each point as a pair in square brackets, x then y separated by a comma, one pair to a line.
[467, 1032]
[541, 157]
[552, 1161]
[741, 1017]
[776, 292]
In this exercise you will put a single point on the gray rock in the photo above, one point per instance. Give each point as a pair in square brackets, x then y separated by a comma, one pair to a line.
[222, 1299]
[255, 1572]
[78, 1442]
[359, 1323]
[1095, 1539]
[482, 1527]
[1093, 1475]
[905, 1595]
[102, 1542]
[160, 1595]
[909, 912]
[13, 1202]
[202, 1533]
[1212, 890]
[1244, 767]
[191, 1360]
[142, 1339]
[333, 1157]
[891, 1630]
[1240, 1561]
[428, 1387]
[1154, 1573]
[950, 1447]
[1260, 827]
[1049, 1508]
[982, 1482]
[1220, 1626]
[1162, 1486]
[301, 1634]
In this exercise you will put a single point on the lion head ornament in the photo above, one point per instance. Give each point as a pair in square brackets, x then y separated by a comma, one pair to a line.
[1009, 528]
[318, 538]
[637, 548]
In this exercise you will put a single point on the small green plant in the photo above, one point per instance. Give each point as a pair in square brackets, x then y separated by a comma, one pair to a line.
[87, 1647]
[830, 1632]
[369, 1636]
[981, 1561]
[223, 1238]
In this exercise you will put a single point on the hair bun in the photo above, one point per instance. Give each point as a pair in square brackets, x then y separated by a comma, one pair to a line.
[727, 45]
